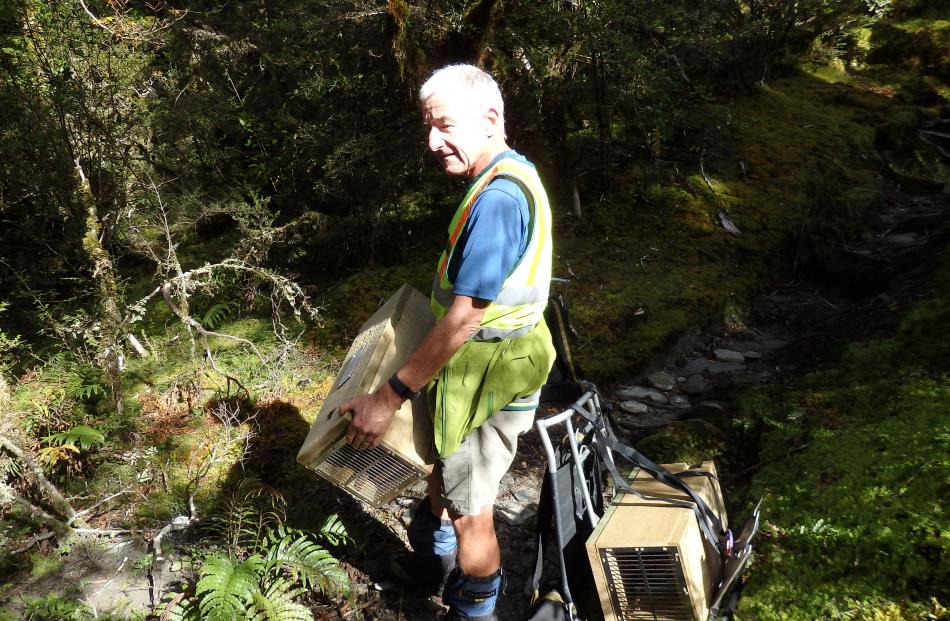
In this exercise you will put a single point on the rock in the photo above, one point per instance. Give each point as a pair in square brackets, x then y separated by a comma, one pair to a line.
[180, 522]
[634, 407]
[522, 495]
[760, 343]
[640, 393]
[514, 516]
[728, 355]
[904, 239]
[680, 402]
[651, 420]
[517, 500]
[662, 380]
[696, 365]
[715, 368]
[694, 384]
[770, 344]
[751, 355]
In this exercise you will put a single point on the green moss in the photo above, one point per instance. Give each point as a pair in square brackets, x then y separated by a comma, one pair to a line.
[348, 303]
[857, 479]
[857, 513]
[690, 442]
[42, 565]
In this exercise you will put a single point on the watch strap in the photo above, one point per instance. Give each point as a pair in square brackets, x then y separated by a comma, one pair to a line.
[401, 389]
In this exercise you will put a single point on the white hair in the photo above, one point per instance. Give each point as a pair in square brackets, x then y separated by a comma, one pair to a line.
[467, 80]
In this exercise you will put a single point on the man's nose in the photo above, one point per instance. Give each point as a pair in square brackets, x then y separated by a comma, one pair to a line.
[435, 139]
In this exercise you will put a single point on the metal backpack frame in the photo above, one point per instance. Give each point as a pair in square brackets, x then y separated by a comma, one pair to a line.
[572, 497]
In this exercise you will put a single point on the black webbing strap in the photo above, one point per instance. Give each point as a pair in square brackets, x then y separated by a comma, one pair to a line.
[545, 515]
[607, 444]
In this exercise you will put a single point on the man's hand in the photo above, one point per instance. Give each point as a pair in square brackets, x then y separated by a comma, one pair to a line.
[372, 415]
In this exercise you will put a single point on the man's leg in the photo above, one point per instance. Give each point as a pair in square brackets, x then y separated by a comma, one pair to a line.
[478, 553]
[473, 587]
[469, 483]
[433, 541]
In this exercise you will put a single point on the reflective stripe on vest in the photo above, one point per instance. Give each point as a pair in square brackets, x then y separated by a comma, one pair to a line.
[524, 294]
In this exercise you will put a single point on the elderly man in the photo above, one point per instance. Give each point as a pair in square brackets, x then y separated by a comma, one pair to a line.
[489, 353]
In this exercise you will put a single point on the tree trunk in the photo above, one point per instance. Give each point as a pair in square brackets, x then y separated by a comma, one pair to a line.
[110, 317]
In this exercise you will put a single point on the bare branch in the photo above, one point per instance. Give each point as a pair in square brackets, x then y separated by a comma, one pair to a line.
[287, 290]
[88, 510]
[197, 327]
[35, 540]
[201, 464]
[58, 501]
[702, 171]
[924, 136]
[102, 532]
[16, 498]
[95, 19]
[189, 321]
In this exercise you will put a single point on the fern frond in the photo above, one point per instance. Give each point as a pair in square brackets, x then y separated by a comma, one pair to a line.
[180, 608]
[85, 437]
[52, 455]
[259, 489]
[227, 587]
[55, 606]
[87, 391]
[276, 603]
[305, 560]
[215, 316]
[334, 532]
[235, 524]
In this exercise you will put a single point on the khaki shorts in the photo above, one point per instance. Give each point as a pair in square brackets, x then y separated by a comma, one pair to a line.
[471, 475]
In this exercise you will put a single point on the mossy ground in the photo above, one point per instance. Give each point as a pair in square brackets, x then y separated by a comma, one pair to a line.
[856, 475]
[654, 260]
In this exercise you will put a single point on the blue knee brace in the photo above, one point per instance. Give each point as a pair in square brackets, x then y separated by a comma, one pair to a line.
[429, 535]
[472, 597]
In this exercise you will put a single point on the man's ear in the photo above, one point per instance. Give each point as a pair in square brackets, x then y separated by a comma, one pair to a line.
[491, 122]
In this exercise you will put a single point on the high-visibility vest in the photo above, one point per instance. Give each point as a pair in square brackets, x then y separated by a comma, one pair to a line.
[520, 304]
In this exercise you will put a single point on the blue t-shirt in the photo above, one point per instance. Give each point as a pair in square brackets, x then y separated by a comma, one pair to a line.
[494, 239]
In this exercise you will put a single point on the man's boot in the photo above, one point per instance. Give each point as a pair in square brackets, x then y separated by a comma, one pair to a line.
[471, 597]
[434, 550]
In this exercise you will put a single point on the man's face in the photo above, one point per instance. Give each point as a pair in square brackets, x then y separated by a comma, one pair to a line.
[459, 133]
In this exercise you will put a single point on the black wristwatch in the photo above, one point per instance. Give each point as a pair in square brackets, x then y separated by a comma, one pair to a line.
[401, 389]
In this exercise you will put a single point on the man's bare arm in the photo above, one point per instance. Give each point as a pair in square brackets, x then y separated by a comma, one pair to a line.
[373, 413]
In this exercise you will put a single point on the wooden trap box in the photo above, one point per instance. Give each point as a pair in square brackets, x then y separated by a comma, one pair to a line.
[383, 345]
[649, 559]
